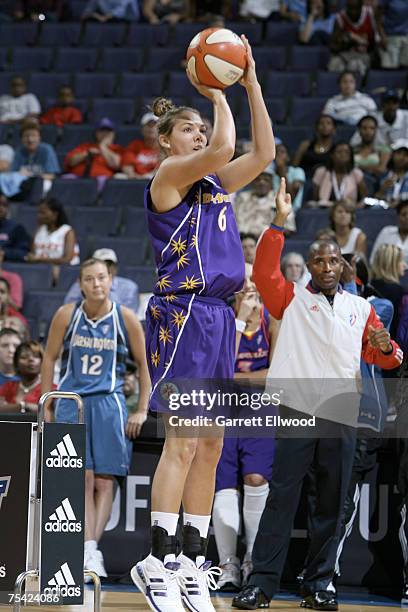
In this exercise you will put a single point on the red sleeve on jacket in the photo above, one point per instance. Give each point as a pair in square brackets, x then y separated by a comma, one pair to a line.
[375, 355]
[276, 292]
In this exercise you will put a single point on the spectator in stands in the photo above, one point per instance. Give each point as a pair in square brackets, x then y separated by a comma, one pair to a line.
[395, 234]
[319, 23]
[350, 239]
[350, 105]
[395, 20]
[111, 10]
[54, 241]
[141, 157]
[253, 9]
[316, 152]
[9, 341]
[6, 308]
[294, 177]
[368, 155]
[293, 10]
[248, 242]
[33, 157]
[169, 11]
[6, 157]
[16, 325]
[254, 207]
[14, 239]
[23, 395]
[293, 268]
[38, 10]
[123, 291]
[356, 31]
[387, 268]
[19, 104]
[99, 158]
[64, 112]
[394, 187]
[392, 120]
[339, 180]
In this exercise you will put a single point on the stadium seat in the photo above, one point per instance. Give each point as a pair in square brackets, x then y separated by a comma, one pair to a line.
[183, 33]
[73, 135]
[75, 192]
[119, 110]
[160, 60]
[75, 60]
[48, 84]
[297, 245]
[253, 31]
[144, 276]
[24, 58]
[306, 110]
[95, 220]
[179, 85]
[119, 60]
[291, 136]
[76, 8]
[136, 84]
[42, 305]
[5, 78]
[18, 34]
[270, 58]
[68, 276]
[345, 132]
[27, 216]
[89, 85]
[103, 35]
[35, 276]
[281, 33]
[203, 105]
[125, 135]
[309, 221]
[143, 35]
[122, 193]
[370, 221]
[135, 222]
[279, 84]
[385, 79]
[309, 58]
[277, 108]
[326, 83]
[129, 250]
[59, 34]
[4, 58]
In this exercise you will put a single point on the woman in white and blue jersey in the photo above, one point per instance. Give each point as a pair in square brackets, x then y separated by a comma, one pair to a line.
[93, 336]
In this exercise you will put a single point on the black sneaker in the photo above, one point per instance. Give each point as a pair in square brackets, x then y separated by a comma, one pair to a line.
[321, 600]
[250, 598]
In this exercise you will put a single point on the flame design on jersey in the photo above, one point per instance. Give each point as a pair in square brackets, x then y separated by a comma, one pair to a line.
[164, 283]
[178, 246]
[190, 283]
[178, 318]
[193, 241]
[183, 261]
[155, 358]
[165, 335]
[155, 312]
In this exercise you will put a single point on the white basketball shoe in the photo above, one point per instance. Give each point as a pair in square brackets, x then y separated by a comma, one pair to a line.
[159, 584]
[195, 583]
[93, 560]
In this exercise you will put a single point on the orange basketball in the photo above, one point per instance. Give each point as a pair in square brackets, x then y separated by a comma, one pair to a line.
[217, 57]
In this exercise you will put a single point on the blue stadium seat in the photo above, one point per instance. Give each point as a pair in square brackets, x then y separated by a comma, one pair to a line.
[309, 58]
[24, 58]
[203, 105]
[75, 192]
[166, 59]
[306, 110]
[183, 33]
[119, 110]
[27, 216]
[74, 135]
[144, 276]
[309, 221]
[291, 136]
[95, 220]
[270, 58]
[35, 276]
[42, 305]
[129, 250]
[135, 222]
[253, 31]
[18, 34]
[179, 85]
[370, 221]
[279, 84]
[103, 35]
[135, 84]
[75, 60]
[4, 59]
[297, 245]
[277, 108]
[123, 193]
[385, 79]
[326, 83]
[59, 34]
[68, 276]
[125, 135]
[89, 85]
[5, 78]
[144, 35]
[281, 33]
[119, 60]
[345, 132]
[76, 8]
[48, 84]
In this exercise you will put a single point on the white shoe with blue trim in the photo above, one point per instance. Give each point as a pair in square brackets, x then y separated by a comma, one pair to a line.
[159, 584]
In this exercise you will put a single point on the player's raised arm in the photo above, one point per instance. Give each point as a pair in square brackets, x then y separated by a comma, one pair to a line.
[242, 171]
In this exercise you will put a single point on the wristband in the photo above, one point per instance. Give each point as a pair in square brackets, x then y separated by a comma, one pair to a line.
[240, 325]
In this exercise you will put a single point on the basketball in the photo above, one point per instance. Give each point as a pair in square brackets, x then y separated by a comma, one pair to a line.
[217, 57]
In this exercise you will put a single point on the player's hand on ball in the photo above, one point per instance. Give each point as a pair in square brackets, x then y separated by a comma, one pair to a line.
[207, 92]
[249, 77]
[134, 424]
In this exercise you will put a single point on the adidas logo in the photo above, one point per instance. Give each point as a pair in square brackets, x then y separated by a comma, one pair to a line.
[63, 520]
[63, 583]
[64, 455]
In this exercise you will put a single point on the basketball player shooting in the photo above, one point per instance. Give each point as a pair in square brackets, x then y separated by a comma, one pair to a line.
[190, 331]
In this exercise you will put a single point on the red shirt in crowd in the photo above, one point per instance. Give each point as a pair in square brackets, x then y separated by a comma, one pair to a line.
[95, 166]
[143, 159]
[12, 312]
[16, 286]
[10, 391]
[60, 115]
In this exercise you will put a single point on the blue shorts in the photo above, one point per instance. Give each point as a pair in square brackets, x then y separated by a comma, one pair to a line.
[108, 450]
[243, 456]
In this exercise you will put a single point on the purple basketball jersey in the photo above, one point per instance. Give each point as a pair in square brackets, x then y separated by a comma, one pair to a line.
[196, 244]
[253, 350]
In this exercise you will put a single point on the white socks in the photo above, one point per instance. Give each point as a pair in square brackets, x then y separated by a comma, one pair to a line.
[167, 521]
[226, 523]
[254, 504]
[91, 545]
[202, 523]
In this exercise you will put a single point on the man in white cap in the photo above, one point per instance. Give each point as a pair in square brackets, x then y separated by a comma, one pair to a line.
[141, 157]
[124, 291]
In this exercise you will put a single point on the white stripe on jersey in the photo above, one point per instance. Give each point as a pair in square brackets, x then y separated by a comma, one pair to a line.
[197, 245]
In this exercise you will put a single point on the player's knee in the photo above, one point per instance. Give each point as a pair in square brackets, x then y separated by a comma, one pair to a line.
[89, 480]
[210, 449]
[103, 483]
[181, 450]
[254, 480]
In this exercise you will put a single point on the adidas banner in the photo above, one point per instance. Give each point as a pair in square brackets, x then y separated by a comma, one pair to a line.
[63, 512]
[15, 465]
